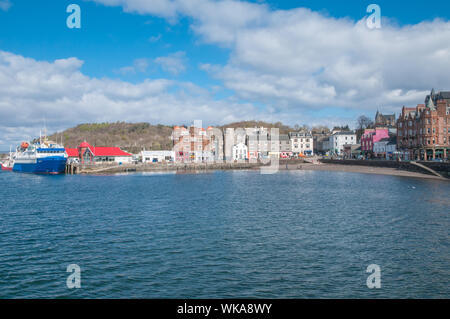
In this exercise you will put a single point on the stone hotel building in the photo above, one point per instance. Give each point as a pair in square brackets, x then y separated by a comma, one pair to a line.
[423, 131]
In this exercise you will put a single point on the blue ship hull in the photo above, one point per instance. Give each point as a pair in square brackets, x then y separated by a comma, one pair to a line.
[48, 165]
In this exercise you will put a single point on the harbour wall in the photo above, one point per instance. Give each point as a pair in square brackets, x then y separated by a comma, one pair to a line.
[158, 167]
[441, 168]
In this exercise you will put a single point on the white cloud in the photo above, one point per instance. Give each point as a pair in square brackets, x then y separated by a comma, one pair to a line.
[154, 38]
[163, 8]
[139, 65]
[5, 5]
[302, 59]
[173, 63]
[57, 92]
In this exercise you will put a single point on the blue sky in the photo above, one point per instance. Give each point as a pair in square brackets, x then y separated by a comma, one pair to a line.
[244, 73]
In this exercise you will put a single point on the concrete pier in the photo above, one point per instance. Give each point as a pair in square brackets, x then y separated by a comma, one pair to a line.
[72, 169]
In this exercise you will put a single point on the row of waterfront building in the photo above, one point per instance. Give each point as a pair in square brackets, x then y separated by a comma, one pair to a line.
[420, 133]
[197, 144]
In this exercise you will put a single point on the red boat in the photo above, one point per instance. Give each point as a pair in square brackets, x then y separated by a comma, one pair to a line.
[9, 163]
[6, 166]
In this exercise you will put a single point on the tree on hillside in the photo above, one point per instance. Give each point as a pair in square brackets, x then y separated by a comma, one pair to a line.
[321, 129]
[363, 122]
[341, 128]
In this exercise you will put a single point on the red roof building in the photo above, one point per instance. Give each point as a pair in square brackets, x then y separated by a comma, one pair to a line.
[87, 153]
[72, 152]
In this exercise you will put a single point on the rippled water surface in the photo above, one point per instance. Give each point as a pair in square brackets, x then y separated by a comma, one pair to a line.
[224, 234]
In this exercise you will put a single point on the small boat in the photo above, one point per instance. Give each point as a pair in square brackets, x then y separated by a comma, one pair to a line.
[9, 163]
[6, 166]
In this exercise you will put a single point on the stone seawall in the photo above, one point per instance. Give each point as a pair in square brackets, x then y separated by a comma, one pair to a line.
[441, 168]
[158, 167]
[111, 169]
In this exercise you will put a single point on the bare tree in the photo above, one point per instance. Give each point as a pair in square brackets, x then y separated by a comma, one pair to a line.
[363, 123]
[321, 129]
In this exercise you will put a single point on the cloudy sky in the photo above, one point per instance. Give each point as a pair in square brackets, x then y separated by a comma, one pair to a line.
[174, 61]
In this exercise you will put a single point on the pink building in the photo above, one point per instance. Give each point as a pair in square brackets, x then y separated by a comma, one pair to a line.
[371, 136]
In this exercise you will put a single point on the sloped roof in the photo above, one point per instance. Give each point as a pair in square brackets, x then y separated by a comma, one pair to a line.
[99, 151]
[72, 152]
[85, 145]
[108, 151]
[345, 133]
[445, 95]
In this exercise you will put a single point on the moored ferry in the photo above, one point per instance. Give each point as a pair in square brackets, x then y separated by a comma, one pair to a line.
[45, 157]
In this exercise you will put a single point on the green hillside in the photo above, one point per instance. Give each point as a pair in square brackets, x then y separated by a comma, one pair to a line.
[132, 137]
[284, 129]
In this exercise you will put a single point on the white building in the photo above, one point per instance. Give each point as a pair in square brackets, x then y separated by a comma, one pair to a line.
[157, 156]
[386, 148]
[240, 152]
[256, 140]
[337, 141]
[379, 148]
[302, 143]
